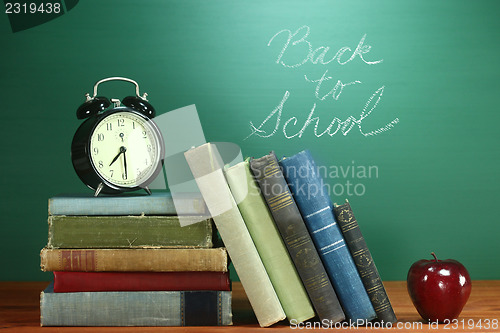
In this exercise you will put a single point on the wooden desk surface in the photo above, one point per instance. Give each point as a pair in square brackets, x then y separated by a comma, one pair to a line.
[20, 301]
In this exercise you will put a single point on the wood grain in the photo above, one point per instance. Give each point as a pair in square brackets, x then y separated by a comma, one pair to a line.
[20, 301]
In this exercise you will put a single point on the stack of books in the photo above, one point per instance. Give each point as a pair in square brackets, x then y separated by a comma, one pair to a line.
[126, 261]
[297, 255]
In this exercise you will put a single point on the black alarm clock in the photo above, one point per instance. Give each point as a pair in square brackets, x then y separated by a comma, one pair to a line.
[118, 148]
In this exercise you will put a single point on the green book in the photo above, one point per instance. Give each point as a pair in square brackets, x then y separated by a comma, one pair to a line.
[127, 232]
[267, 240]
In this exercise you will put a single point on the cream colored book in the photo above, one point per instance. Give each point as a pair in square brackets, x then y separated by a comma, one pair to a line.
[267, 240]
[206, 165]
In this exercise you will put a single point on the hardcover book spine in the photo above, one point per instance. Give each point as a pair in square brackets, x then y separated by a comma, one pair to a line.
[315, 206]
[364, 262]
[296, 237]
[127, 232]
[134, 260]
[67, 282]
[206, 165]
[267, 240]
[158, 203]
[137, 308]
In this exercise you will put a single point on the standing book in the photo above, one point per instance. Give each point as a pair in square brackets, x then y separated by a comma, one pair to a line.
[135, 308]
[315, 206]
[269, 244]
[296, 237]
[364, 262]
[206, 165]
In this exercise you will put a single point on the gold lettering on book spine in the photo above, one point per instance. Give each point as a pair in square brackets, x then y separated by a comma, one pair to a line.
[378, 297]
[303, 258]
[297, 242]
[316, 282]
[270, 170]
[346, 220]
[279, 197]
[77, 260]
[219, 308]
[364, 262]
[182, 307]
[280, 201]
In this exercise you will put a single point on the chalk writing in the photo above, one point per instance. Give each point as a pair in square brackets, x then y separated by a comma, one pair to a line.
[317, 56]
[333, 127]
[297, 43]
[335, 92]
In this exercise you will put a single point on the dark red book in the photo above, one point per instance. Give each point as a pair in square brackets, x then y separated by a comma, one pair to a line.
[67, 282]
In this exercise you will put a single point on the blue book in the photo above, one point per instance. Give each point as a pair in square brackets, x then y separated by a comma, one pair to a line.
[316, 208]
[135, 308]
[158, 203]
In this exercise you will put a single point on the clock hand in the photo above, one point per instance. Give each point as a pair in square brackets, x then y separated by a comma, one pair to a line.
[116, 157]
[122, 150]
[124, 161]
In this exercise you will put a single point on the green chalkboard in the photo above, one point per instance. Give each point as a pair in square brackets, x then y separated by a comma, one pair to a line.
[396, 100]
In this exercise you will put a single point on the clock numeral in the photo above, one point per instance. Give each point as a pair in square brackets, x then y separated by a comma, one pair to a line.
[95, 150]
[144, 134]
[100, 137]
[149, 148]
[133, 125]
[112, 172]
[100, 164]
[109, 126]
[146, 161]
[121, 122]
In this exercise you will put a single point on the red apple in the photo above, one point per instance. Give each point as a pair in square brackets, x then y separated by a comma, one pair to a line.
[439, 289]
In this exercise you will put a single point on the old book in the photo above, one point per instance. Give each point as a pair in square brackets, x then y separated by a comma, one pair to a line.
[206, 165]
[296, 237]
[134, 260]
[267, 240]
[135, 308]
[158, 203]
[314, 204]
[68, 282]
[364, 262]
[128, 232]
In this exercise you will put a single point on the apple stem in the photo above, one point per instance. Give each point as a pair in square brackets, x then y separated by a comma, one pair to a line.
[434, 255]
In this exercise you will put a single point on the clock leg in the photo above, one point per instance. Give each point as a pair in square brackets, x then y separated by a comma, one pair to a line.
[147, 190]
[98, 189]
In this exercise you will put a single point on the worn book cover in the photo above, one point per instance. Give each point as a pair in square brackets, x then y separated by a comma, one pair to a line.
[267, 239]
[67, 282]
[296, 237]
[135, 260]
[158, 203]
[135, 308]
[206, 165]
[364, 262]
[128, 232]
[315, 206]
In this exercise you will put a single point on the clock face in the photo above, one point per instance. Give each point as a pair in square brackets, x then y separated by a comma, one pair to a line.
[125, 149]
